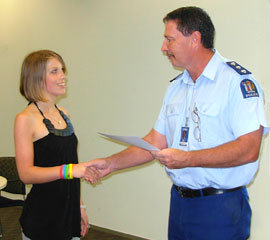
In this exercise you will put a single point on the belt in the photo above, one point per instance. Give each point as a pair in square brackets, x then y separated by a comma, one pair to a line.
[191, 193]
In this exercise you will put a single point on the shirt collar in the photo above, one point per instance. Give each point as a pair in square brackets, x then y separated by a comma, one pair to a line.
[212, 67]
[209, 71]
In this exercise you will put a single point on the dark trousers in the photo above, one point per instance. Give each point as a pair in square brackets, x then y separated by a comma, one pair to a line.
[217, 217]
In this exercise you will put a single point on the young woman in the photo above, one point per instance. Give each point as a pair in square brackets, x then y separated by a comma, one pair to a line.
[46, 153]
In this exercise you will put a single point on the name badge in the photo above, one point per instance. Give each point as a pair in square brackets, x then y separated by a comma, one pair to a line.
[184, 136]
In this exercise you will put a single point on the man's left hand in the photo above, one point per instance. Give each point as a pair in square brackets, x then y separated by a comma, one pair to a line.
[172, 158]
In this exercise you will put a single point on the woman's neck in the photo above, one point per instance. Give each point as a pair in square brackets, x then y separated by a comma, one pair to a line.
[47, 107]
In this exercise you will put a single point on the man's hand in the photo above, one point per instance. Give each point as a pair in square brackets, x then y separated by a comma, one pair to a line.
[81, 170]
[172, 158]
[97, 169]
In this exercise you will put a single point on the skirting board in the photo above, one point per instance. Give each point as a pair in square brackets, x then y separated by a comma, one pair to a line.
[117, 233]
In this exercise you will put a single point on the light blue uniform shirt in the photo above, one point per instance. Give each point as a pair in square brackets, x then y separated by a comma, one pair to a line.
[230, 103]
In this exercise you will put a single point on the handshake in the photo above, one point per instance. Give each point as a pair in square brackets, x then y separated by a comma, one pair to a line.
[143, 152]
[92, 171]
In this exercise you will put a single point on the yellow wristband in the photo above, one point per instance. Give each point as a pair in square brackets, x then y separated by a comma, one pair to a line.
[70, 171]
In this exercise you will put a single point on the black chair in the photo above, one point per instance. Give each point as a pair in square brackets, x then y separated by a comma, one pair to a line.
[8, 169]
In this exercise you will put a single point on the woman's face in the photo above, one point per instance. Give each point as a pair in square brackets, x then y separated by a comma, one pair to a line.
[55, 79]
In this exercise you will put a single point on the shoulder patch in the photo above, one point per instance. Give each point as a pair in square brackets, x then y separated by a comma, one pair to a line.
[238, 68]
[176, 77]
[248, 89]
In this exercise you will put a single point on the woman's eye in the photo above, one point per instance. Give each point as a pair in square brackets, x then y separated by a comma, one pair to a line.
[54, 71]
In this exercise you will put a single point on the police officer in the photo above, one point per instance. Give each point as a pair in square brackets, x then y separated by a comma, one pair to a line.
[209, 131]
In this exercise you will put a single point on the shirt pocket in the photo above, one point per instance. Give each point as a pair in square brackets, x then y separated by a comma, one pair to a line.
[209, 109]
[172, 115]
[210, 122]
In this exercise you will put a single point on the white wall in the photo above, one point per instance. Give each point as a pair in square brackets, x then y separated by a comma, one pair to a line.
[117, 79]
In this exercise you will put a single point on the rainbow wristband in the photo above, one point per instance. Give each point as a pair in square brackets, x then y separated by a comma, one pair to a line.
[66, 171]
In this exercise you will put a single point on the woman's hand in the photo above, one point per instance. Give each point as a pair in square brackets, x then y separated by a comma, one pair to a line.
[81, 170]
[84, 222]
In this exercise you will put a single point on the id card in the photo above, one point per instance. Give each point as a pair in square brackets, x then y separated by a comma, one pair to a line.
[184, 136]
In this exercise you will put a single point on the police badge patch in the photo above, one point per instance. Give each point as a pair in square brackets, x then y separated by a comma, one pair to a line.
[248, 89]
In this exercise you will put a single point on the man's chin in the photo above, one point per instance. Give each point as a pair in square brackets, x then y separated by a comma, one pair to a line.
[172, 62]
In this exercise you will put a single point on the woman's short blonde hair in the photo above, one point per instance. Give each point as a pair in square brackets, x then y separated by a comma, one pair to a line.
[33, 74]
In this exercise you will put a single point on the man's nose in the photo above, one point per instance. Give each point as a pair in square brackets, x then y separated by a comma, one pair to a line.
[164, 47]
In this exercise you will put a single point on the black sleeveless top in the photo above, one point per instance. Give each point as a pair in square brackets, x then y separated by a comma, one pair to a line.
[52, 210]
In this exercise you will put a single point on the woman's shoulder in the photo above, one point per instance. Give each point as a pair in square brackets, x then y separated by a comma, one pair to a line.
[27, 116]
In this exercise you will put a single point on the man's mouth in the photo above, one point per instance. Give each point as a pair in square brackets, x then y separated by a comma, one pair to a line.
[170, 56]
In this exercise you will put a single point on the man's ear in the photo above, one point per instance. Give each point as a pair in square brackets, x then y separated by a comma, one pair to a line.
[196, 38]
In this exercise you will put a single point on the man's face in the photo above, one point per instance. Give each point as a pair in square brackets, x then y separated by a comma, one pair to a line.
[176, 46]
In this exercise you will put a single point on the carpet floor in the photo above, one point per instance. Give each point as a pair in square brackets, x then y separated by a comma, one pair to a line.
[11, 227]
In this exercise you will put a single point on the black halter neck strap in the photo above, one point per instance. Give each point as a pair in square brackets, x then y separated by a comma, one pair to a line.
[58, 132]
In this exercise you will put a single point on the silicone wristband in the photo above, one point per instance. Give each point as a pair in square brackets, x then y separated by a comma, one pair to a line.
[61, 172]
[64, 169]
[70, 171]
[66, 172]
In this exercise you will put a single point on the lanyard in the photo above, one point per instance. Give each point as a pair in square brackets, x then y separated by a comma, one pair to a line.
[185, 130]
[188, 109]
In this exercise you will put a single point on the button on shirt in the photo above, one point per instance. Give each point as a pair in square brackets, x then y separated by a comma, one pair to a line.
[225, 113]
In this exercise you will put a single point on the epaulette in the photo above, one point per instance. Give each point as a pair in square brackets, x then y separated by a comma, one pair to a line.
[176, 77]
[235, 66]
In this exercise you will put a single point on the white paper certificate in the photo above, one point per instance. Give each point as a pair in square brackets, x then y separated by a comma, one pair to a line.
[132, 140]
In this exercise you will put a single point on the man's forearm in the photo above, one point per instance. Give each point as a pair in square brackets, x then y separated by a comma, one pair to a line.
[132, 156]
[241, 151]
